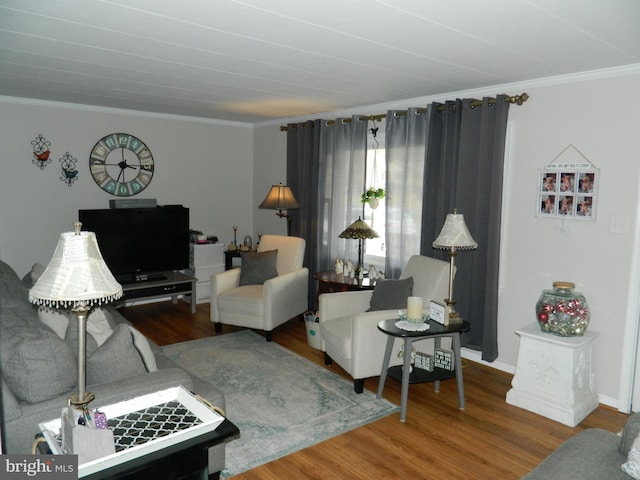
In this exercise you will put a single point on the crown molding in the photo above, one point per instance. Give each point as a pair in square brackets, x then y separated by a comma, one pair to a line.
[511, 88]
[119, 111]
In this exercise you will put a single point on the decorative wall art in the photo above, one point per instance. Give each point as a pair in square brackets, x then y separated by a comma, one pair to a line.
[41, 151]
[69, 171]
[567, 187]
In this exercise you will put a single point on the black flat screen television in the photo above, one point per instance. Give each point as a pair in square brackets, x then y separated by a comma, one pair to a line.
[138, 244]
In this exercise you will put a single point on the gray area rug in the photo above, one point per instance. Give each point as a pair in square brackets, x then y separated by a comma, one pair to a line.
[280, 401]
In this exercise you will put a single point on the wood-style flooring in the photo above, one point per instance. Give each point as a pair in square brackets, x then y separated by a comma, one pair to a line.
[487, 440]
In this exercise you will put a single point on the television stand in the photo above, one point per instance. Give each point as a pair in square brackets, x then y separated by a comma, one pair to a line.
[164, 284]
[140, 277]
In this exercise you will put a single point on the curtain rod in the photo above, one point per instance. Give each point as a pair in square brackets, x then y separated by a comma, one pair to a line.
[517, 99]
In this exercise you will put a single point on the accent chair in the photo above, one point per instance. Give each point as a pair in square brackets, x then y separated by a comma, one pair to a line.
[262, 305]
[350, 333]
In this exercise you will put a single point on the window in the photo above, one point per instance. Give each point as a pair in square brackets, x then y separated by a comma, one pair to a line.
[376, 170]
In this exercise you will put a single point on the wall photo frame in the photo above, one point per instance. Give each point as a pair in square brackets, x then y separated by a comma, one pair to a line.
[567, 187]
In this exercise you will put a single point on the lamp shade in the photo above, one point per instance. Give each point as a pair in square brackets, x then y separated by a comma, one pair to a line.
[455, 234]
[280, 197]
[76, 274]
[359, 230]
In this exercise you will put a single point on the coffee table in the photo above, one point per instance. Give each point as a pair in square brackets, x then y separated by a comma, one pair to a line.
[435, 331]
[163, 435]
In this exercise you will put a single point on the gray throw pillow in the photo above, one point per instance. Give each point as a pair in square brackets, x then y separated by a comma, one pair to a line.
[389, 294]
[258, 267]
[117, 358]
[32, 277]
[37, 366]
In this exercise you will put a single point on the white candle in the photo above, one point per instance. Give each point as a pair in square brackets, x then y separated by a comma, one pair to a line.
[414, 308]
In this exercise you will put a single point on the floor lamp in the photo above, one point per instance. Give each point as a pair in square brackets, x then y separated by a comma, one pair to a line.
[280, 198]
[453, 237]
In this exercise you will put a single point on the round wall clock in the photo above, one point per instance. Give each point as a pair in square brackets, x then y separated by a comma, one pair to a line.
[121, 164]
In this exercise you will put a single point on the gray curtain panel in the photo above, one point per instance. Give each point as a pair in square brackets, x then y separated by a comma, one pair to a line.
[326, 170]
[303, 170]
[343, 150]
[464, 166]
[406, 137]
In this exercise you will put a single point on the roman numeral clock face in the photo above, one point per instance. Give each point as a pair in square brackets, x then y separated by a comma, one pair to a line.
[121, 164]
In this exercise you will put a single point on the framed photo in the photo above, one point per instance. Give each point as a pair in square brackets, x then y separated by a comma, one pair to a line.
[567, 193]
[439, 312]
[568, 187]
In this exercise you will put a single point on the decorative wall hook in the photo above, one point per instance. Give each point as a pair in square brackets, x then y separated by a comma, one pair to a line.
[41, 151]
[69, 170]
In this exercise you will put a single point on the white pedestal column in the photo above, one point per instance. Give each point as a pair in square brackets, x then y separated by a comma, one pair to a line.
[554, 376]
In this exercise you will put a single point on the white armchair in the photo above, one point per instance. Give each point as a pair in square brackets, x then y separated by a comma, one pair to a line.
[350, 334]
[266, 306]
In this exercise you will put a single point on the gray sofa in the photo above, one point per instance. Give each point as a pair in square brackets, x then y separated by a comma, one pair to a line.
[38, 367]
[592, 454]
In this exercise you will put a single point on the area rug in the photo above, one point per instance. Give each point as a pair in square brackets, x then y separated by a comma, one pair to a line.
[280, 401]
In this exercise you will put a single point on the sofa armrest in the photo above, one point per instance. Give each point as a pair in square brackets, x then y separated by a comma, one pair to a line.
[285, 296]
[143, 384]
[342, 304]
[220, 283]
[223, 281]
[629, 433]
[10, 406]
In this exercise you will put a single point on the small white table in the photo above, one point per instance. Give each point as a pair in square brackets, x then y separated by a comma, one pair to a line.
[554, 375]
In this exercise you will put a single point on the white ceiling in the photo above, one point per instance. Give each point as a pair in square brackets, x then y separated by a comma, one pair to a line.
[258, 60]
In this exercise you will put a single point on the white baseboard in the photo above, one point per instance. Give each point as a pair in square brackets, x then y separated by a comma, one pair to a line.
[476, 356]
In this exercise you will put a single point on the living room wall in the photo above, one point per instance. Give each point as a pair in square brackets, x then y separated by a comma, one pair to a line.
[204, 165]
[222, 171]
[596, 113]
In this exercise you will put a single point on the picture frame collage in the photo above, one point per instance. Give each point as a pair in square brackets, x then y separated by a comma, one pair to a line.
[568, 190]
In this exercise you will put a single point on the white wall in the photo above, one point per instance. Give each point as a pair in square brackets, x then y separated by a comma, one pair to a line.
[223, 171]
[270, 168]
[205, 166]
[598, 117]
[598, 114]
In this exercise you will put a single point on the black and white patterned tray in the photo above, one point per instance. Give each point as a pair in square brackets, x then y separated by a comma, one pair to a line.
[143, 423]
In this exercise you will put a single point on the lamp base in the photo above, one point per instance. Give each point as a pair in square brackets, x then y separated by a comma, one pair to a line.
[454, 316]
[83, 402]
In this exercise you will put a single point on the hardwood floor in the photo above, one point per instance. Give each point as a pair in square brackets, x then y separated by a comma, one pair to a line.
[488, 440]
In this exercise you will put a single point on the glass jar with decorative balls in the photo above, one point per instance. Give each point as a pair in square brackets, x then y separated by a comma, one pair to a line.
[563, 311]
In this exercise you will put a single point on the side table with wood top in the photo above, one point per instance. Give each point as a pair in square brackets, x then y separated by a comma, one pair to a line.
[330, 281]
